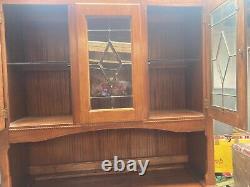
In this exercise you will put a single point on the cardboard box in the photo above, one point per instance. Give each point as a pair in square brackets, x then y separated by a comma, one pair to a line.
[223, 151]
[241, 164]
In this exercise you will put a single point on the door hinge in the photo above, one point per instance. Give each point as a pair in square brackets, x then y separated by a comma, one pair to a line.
[4, 113]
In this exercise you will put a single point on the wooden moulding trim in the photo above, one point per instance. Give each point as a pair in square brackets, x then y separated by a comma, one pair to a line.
[67, 1]
[175, 3]
[93, 168]
[37, 134]
[149, 2]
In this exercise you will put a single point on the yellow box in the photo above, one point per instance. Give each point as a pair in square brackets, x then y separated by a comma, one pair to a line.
[223, 152]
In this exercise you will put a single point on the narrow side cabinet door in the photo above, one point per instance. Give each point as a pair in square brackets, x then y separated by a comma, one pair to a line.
[226, 64]
[109, 62]
[3, 111]
[4, 143]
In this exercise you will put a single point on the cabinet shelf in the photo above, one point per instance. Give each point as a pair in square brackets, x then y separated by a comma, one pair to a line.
[35, 129]
[113, 96]
[175, 115]
[42, 121]
[40, 66]
[158, 177]
[171, 63]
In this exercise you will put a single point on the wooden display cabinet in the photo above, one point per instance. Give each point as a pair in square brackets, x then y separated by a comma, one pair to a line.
[82, 82]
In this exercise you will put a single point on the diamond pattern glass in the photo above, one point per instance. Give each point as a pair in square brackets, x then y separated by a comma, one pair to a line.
[223, 55]
[109, 45]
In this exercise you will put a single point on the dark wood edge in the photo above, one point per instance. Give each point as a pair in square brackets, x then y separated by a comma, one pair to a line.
[242, 67]
[209, 179]
[209, 176]
[43, 133]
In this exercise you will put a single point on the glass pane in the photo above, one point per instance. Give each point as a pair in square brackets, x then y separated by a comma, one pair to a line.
[109, 45]
[230, 78]
[226, 29]
[217, 100]
[215, 37]
[224, 45]
[217, 86]
[229, 28]
[230, 102]
[222, 12]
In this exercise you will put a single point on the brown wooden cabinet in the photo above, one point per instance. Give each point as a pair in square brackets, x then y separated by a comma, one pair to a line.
[85, 81]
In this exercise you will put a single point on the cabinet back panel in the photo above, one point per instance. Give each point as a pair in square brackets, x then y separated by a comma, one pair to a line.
[17, 95]
[39, 93]
[102, 145]
[197, 151]
[36, 33]
[18, 154]
[194, 80]
[167, 89]
[47, 93]
[175, 70]
[193, 49]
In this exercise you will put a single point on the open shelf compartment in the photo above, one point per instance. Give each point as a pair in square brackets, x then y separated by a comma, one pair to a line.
[39, 77]
[173, 162]
[175, 62]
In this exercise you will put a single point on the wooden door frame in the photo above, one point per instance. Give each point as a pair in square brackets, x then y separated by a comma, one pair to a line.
[3, 75]
[4, 131]
[109, 115]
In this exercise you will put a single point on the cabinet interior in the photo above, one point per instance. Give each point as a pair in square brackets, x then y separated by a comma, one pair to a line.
[38, 64]
[175, 61]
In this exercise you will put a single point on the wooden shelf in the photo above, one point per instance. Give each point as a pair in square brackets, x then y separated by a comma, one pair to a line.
[36, 129]
[171, 63]
[22, 134]
[40, 66]
[41, 121]
[175, 115]
[164, 178]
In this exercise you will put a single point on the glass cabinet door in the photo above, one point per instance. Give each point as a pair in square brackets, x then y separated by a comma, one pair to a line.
[109, 62]
[226, 64]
